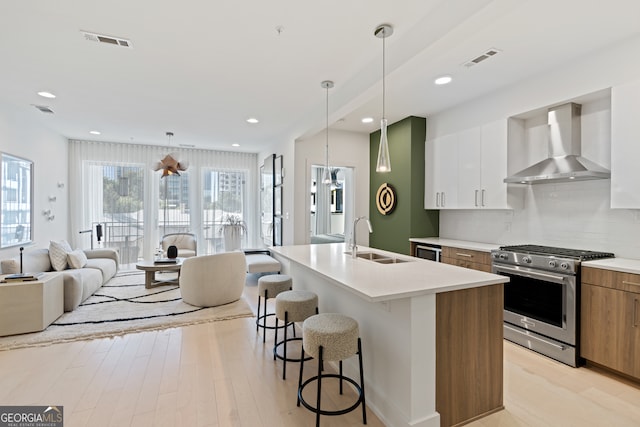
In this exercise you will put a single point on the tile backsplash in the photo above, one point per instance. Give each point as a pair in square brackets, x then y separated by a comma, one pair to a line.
[571, 215]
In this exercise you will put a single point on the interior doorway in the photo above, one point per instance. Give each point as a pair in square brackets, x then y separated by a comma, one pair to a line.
[331, 207]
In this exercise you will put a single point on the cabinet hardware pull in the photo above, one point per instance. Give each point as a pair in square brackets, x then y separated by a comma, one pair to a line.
[476, 198]
[467, 255]
[626, 282]
[482, 199]
[635, 312]
[438, 199]
[443, 199]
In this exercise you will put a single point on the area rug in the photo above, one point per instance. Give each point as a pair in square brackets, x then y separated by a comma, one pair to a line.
[122, 306]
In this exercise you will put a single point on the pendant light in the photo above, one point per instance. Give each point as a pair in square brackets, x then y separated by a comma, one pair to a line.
[384, 161]
[326, 174]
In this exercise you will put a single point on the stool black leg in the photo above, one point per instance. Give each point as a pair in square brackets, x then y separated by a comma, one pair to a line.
[340, 363]
[284, 361]
[319, 387]
[300, 376]
[264, 319]
[275, 338]
[258, 316]
[364, 404]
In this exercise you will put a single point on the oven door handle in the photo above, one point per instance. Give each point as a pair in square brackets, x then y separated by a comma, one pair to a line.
[531, 274]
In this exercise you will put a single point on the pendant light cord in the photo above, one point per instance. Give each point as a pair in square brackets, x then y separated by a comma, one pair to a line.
[327, 131]
[384, 38]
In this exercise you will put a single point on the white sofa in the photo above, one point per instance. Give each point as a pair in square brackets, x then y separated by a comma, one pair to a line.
[79, 284]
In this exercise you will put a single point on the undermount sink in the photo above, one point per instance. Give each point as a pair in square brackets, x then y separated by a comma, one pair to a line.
[380, 259]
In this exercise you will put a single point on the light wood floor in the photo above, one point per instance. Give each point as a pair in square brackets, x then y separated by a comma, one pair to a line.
[220, 374]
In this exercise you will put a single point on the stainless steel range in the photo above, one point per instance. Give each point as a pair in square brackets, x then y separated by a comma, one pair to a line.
[542, 298]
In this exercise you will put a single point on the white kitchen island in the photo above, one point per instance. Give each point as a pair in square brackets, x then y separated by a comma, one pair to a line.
[431, 332]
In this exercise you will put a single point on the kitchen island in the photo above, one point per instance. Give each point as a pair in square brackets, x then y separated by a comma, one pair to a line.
[431, 332]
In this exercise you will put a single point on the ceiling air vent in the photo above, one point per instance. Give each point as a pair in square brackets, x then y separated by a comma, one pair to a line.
[478, 59]
[100, 38]
[43, 108]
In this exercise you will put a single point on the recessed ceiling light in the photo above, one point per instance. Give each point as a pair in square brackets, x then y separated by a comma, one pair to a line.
[367, 120]
[252, 120]
[235, 145]
[94, 132]
[46, 94]
[443, 80]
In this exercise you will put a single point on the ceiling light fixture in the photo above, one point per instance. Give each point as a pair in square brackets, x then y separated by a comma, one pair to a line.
[326, 175]
[169, 164]
[235, 145]
[443, 80]
[384, 162]
[94, 132]
[367, 120]
[252, 120]
[46, 94]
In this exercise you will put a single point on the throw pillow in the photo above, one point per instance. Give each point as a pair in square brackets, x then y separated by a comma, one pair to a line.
[77, 258]
[10, 266]
[58, 254]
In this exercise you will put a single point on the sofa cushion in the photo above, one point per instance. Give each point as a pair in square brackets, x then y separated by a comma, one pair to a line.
[10, 266]
[77, 258]
[107, 267]
[79, 285]
[58, 254]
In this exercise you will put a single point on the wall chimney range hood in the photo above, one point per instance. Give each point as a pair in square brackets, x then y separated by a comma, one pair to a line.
[565, 164]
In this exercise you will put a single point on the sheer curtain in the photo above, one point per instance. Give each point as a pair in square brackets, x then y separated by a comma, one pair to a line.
[85, 198]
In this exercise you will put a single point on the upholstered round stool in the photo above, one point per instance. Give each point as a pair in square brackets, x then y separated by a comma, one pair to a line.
[292, 306]
[331, 337]
[269, 287]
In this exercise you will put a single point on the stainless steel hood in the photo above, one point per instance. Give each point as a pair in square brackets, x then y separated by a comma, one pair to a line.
[565, 163]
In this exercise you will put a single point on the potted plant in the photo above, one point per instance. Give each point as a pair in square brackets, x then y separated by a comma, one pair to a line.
[232, 230]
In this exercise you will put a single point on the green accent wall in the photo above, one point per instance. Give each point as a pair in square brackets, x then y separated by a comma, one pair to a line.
[409, 219]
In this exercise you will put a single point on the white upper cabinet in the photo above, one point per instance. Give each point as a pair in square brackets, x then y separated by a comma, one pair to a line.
[441, 172]
[471, 175]
[625, 146]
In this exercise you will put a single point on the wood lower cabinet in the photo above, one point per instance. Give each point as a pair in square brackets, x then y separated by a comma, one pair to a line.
[469, 359]
[476, 260]
[610, 320]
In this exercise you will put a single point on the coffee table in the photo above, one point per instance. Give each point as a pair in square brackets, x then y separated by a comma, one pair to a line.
[30, 306]
[150, 269]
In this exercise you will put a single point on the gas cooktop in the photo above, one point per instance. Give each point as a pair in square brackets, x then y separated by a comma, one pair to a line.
[557, 252]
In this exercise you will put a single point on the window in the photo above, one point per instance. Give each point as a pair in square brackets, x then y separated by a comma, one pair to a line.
[224, 195]
[115, 199]
[173, 214]
[16, 215]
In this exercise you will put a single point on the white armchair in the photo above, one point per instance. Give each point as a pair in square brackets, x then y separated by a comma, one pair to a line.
[211, 280]
[185, 242]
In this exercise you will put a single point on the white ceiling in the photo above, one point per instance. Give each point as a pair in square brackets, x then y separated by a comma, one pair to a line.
[200, 68]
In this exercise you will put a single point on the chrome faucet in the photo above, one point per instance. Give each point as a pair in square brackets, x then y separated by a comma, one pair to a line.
[354, 244]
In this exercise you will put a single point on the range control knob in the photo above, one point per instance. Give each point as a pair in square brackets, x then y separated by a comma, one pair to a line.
[552, 264]
[564, 266]
[526, 259]
[504, 256]
[495, 255]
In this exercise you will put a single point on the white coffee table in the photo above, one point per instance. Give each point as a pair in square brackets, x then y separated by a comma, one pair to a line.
[30, 306]
[150, 269]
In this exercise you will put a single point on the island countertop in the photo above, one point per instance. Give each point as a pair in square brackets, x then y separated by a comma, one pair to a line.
[377, 282]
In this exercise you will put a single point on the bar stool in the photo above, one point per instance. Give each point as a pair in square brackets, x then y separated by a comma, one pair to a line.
[331, 337]
[292, 306]
[269, 287]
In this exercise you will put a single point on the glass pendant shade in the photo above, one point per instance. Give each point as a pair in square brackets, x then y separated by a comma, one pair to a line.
[384, 161]
[326, 175]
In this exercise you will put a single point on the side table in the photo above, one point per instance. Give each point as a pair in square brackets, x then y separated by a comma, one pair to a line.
[31, 306]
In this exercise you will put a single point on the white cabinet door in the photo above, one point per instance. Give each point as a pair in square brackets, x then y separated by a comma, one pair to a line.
[625, 146]
[441, 172]
[493, 192]
[469, 168]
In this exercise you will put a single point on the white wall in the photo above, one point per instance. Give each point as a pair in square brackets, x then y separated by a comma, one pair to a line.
[346, 149]
[571, 215]
[22, 136]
